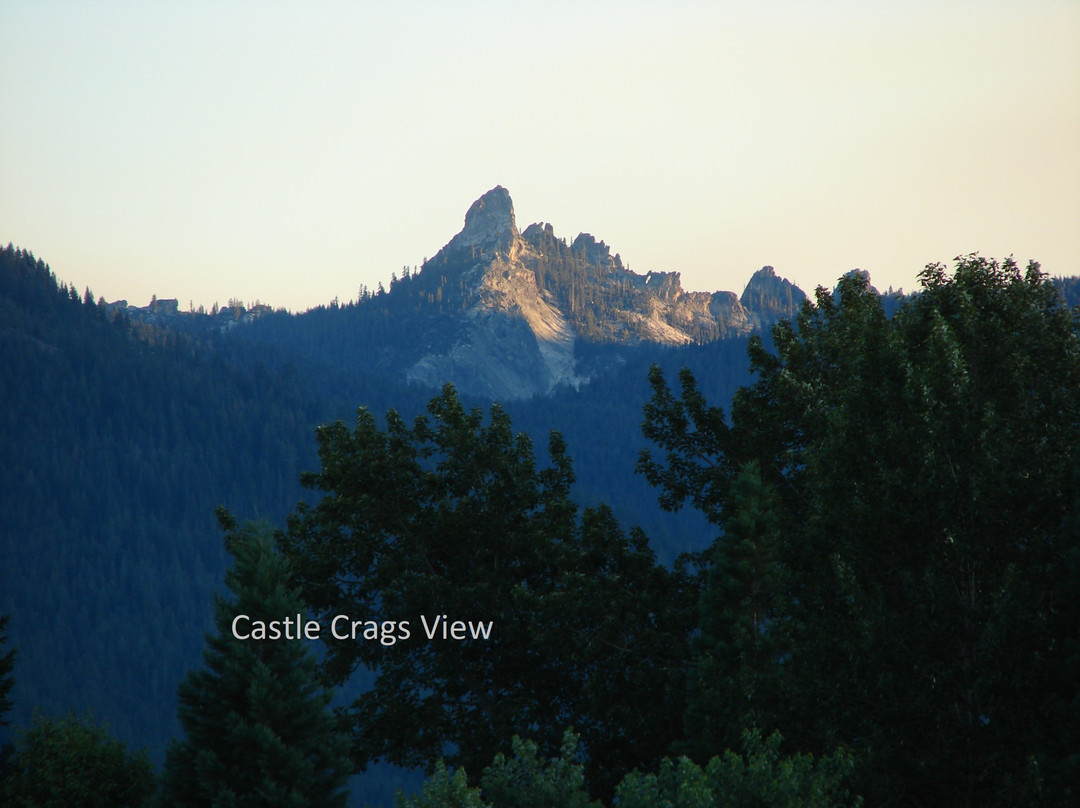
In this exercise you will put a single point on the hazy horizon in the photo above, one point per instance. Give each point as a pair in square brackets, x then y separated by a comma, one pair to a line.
[292, 153]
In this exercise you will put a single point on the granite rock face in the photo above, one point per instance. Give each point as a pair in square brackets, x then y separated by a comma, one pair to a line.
[490, 226]
[502, 314]
[515, 342]
[524, 299]
[769, 298]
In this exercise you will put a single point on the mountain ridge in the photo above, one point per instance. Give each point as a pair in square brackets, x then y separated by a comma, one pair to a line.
[524, 299]
[502, 313]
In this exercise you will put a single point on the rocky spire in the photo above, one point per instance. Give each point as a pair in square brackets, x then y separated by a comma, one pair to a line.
[769, 298]
[489, 224]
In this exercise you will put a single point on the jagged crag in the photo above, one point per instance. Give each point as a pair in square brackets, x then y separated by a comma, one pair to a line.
[508, 314]
[523, 299]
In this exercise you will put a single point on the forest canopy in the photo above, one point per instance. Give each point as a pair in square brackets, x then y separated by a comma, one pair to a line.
[897, 565]
[895, 500]
[880, 602]
[451, 517]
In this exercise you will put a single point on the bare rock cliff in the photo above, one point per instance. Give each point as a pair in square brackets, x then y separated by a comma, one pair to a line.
[524, 299]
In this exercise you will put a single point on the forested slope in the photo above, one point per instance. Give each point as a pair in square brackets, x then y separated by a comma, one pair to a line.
[118, 439]
[116, 443]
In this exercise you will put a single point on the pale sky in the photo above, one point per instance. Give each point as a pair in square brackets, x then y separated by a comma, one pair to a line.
[288, 152]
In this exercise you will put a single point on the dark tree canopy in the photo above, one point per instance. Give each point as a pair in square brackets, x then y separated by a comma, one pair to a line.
[258, 731]
[7, 682]
[922, 471]
[7, 667]
[451, 516]
[73, 763]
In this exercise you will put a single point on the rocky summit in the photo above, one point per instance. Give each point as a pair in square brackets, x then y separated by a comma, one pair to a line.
[501, 313]
[524, 299]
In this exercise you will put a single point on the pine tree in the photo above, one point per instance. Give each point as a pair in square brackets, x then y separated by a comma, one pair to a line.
[258, 729]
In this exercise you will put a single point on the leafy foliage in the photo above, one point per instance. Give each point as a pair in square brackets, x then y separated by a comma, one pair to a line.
[443, 789]
[740, 633]
[759, 777]
[68, 763]
[923, 467]
[526, 780]
[258, 729]
[451, 517]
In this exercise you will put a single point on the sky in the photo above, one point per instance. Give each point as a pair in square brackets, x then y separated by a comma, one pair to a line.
[290, 152]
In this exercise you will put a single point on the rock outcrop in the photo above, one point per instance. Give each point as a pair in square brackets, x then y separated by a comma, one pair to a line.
[769, 298]
[515, 342]
[524, 299]
[490, 226]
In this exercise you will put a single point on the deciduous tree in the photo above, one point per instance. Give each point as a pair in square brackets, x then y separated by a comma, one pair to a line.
[923, 465]
[72, 763]
[450, 519]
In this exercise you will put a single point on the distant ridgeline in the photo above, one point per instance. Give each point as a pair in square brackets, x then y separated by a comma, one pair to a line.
[117, 441]
[507, 315]
[167, 313]
[122, 428]
[502, 314]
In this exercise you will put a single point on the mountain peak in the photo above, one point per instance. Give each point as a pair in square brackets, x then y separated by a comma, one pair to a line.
[489, 223]
[512, 306]
[771, 297]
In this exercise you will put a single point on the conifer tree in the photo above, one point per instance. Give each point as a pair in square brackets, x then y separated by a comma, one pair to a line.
[258, 731]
